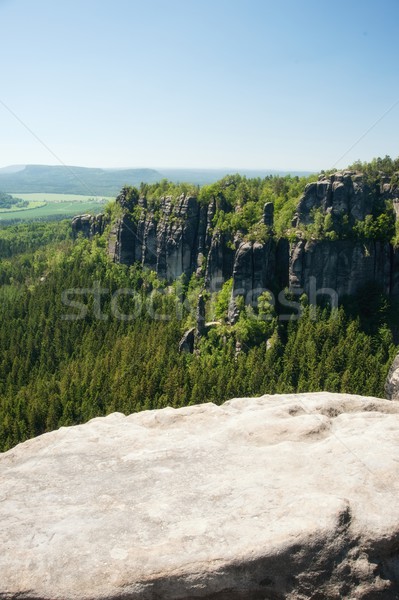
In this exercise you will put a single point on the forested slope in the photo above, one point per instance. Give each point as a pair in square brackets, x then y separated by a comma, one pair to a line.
[81, 336]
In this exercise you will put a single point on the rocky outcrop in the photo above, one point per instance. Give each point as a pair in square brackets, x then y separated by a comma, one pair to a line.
[171, 238]
[123, 240]
[220, 262]
[177, 236]
[200, 317]
[341, 194]
[389, 189]
[191, 337]
[279, 497]
[187, 342]
[344, 266]
[254, 269]
[88, 225]
[268, 214]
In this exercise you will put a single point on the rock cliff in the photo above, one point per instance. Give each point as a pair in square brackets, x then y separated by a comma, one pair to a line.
[340, 194]
[171, 238]
[176, 236]
[279, 497]
[344, 265]
[88, 225]
[254, 269]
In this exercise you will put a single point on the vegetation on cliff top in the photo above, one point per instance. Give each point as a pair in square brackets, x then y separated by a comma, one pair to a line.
[239, 204]
[239, 201]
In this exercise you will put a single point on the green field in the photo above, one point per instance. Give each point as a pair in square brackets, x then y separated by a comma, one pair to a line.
[33, 204]
[42, 206]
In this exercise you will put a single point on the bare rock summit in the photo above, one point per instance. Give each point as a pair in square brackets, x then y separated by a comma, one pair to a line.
[279, 497]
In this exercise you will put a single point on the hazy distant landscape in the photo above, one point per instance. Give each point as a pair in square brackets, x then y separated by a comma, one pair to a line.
[55, 192]
[108, 182]
[72, 180]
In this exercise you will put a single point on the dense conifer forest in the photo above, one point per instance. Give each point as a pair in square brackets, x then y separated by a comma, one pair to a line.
[66, 357]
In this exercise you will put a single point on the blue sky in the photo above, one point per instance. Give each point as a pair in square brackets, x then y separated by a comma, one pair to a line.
[198, 83]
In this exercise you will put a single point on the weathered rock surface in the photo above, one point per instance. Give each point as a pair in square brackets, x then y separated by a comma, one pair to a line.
[88, 225]
[278, 497]
[254, 269]
[170, 240]
[344, 266]
[220, 263]
[341, 194]
[268, 214]
[392, 382]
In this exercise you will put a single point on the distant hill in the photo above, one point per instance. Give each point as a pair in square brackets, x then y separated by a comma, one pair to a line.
[72, 180]
[19, 179]
[12, 169]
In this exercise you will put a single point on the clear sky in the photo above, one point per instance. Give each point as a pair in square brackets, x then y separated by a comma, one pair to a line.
[282, 84]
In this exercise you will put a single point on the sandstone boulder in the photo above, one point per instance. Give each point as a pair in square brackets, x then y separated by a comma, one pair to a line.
[278, 497]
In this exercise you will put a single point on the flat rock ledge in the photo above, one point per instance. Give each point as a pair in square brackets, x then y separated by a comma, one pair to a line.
[279, 497]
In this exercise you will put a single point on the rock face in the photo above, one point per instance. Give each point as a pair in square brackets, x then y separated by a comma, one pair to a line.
[341, 194]
[278, 497]
[344, 266]
[268, 214]
[187, 342]
[166, 239]
[254, 269]
[176, 236]
[88, 225]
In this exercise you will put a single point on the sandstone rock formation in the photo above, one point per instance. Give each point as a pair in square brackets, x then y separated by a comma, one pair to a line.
[344, 266]
[254, 269]
[177, 236]
[88, 225]
[278, 497]
[341, 194]
[268, 214]
[165, 239]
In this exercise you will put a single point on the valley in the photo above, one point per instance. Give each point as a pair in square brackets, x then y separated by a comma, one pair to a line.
[52, 206]
[101, 303]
